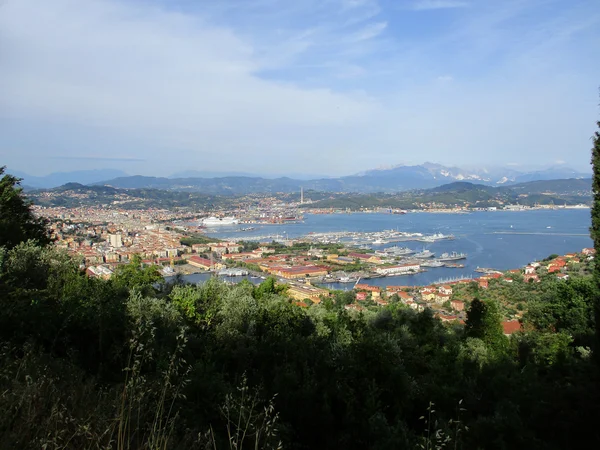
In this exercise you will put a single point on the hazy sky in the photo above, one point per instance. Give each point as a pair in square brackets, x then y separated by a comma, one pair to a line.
[316, 86]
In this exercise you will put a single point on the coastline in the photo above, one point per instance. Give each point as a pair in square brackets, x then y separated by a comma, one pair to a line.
[447, 211]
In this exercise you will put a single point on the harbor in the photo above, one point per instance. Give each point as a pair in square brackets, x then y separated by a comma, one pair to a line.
[475, 235]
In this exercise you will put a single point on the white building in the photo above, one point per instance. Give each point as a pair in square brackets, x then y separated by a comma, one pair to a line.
[115, 240]
[398, 270]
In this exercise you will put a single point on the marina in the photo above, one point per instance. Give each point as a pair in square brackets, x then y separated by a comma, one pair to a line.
[486, 238]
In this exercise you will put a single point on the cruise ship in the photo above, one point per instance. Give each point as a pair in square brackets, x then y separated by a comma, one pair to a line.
[452, 256]
[219, 221]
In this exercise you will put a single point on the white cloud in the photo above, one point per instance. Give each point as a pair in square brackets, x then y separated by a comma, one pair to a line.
[167, 78]
[425, 5]
[369, 32]
[306, 84]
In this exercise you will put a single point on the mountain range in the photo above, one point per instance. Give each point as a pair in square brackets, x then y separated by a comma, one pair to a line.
[61, 178]
[458, 193]
[394, 179]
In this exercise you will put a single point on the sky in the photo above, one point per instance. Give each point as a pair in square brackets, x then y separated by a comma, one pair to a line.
[332, 87]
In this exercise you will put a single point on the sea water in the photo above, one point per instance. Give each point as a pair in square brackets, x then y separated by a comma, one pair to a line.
[493, 239]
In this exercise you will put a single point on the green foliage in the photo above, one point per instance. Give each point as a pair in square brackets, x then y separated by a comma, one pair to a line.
[595, 228]
[135, 275]
[17, 222]
[197, 239]
[136, 363]
[566, 306]
[484, 322]
[547, 349]
[551, 257]
[268, 287]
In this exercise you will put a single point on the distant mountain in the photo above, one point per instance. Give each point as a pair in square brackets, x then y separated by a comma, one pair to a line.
[491, 176]
[76, 194]
[458, 193]
[218, 186]
[463, 193]
[571, 186]
[208, 174]
[61, 178]
[553, 173]
[395, 179]
[461, 186]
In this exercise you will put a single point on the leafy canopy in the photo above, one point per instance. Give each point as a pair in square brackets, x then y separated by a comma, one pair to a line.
[17, 221]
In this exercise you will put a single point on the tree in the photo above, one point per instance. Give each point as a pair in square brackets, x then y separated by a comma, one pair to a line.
[17, 221]
[484, 322]
[135, 276]
[595, 229]
[267, 287]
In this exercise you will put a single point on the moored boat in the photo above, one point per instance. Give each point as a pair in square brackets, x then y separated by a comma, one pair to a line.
[454, 256]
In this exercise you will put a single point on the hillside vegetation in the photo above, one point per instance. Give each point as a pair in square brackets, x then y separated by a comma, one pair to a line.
[462, 194]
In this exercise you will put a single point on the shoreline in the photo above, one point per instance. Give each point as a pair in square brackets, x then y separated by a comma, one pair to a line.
[452, 211]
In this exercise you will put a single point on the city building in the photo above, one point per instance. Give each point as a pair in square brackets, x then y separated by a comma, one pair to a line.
[399, 269]
[306, 292]
[115, 240]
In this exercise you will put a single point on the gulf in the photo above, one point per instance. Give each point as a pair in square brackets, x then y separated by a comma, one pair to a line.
[495, 239]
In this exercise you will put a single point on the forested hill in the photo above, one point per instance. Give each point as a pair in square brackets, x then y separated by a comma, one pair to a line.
[460, 194]
[558, 192]
[75, 195]
[391, 180]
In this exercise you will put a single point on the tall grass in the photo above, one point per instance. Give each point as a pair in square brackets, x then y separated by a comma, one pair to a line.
[47, 403]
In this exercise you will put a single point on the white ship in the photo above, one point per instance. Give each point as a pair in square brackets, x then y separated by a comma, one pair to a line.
[432, 264]
[424, 254]
[436, 237]
[219, 221]
[452, 256]
[398, 251]
[348, 280]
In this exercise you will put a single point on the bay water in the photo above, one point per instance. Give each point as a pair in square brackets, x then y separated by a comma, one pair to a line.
[493, 239]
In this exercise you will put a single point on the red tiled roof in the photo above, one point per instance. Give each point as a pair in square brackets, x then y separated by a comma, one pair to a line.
[199, 260]
[511, 326]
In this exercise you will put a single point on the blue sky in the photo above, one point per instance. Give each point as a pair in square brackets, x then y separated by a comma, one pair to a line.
[277, 86]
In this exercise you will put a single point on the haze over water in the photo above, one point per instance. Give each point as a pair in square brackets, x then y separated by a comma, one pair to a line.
[557, 231]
